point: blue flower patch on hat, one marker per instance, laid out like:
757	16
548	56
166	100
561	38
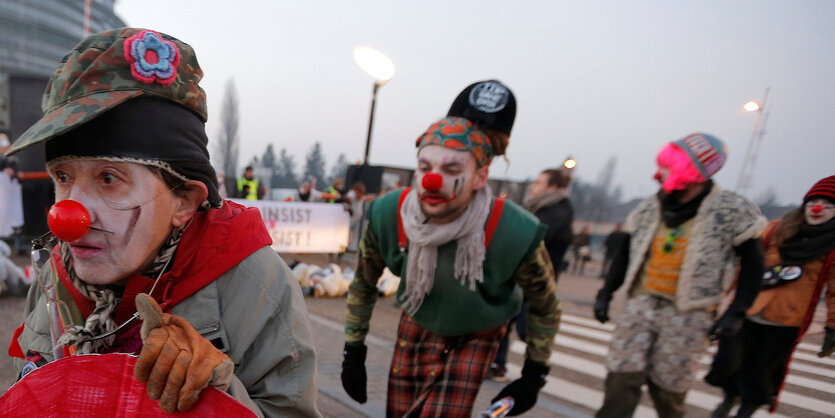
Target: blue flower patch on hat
152	58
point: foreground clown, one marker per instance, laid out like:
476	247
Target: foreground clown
466	260
675	263
126	148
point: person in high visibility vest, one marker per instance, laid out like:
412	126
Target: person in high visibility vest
333	193
253	191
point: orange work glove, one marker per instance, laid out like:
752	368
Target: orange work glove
176	361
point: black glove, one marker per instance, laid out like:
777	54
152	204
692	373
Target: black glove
828	346
728	324
354	378
525	389
601	306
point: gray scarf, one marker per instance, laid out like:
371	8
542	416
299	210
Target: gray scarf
534	203
425	238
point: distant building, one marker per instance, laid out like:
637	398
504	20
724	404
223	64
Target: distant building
34	36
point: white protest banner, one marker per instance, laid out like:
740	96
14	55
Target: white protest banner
301	227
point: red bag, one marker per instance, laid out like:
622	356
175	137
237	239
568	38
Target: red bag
100	385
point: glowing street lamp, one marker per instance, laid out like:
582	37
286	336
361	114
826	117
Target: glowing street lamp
569	163
751	106
377	65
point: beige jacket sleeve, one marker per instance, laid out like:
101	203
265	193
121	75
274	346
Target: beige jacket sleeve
256	314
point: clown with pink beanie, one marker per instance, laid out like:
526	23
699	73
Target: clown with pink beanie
679	257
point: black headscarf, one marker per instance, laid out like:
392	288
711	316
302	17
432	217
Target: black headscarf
145	128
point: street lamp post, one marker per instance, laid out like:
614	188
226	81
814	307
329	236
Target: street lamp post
743	183
568	167
377	65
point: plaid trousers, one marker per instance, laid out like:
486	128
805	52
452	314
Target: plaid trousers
433	375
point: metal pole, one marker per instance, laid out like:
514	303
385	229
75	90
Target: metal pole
742	181
88	10
370	122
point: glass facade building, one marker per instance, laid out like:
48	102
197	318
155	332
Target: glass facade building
36	34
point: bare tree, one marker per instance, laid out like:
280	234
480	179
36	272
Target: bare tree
600	204
314	167
340	168
286	170
228	143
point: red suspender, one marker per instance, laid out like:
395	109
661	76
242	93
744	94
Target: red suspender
493	220
489	229
401	234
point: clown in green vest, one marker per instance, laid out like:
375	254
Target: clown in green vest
466	260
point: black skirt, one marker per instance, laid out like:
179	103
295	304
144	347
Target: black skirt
751	364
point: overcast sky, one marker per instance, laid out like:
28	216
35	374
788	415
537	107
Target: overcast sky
592	79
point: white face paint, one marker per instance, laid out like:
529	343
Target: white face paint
458	169
127	199
827	211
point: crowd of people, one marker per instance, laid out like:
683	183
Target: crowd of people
471	265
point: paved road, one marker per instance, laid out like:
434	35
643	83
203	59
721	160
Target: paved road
574	388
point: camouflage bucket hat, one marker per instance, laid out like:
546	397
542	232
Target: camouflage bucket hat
109	68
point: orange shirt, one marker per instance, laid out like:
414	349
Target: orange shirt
659	274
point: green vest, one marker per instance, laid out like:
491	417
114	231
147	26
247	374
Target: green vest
253	187
450	308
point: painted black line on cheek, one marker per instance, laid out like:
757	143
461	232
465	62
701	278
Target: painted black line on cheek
459	186
132	224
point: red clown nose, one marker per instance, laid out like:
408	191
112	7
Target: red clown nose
68	220
432	182
657	176
817	209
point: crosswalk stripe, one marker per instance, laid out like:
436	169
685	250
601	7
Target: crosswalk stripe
696	398
581	345
579	325
807	402
598	370
810	347
810	383
606	337
800	367
600	350
609	326
814	358
592	398
800	355
585	332
578	394
591	323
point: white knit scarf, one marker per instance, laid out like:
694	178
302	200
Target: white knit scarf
425	238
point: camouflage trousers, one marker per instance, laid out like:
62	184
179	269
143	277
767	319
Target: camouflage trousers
654	337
